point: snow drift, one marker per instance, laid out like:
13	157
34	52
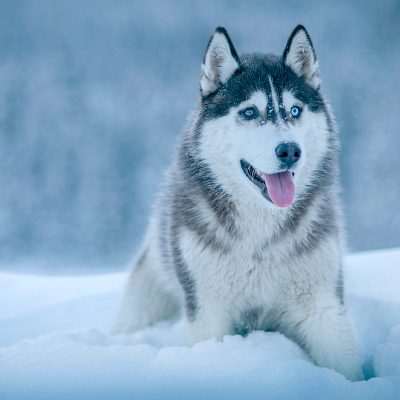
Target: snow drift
54	343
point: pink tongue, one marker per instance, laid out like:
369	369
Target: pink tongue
280	188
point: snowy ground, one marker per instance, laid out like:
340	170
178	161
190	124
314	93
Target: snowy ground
54	344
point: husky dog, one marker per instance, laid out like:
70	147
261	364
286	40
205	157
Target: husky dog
246	233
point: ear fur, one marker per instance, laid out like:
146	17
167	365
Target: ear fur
220	62
300	56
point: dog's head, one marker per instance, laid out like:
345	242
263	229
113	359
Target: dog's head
265	127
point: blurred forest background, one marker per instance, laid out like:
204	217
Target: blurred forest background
94	93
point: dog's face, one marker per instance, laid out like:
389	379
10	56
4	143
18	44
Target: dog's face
264	123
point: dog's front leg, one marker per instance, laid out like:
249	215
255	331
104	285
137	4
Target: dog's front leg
321	326
211	321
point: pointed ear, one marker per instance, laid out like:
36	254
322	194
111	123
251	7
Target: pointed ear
220	62
299	55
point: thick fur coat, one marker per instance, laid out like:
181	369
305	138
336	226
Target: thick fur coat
245	235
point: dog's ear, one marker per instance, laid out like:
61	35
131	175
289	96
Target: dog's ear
299	55
220	62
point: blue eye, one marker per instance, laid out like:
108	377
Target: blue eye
249	113
295	111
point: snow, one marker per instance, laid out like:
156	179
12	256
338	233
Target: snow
54	344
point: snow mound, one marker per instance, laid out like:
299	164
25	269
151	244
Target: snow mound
54	344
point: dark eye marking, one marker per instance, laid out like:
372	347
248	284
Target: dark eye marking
249	113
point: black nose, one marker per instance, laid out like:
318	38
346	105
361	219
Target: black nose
288	153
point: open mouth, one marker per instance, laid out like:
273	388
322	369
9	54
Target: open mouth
278	188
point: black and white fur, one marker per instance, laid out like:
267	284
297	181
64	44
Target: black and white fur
222	250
